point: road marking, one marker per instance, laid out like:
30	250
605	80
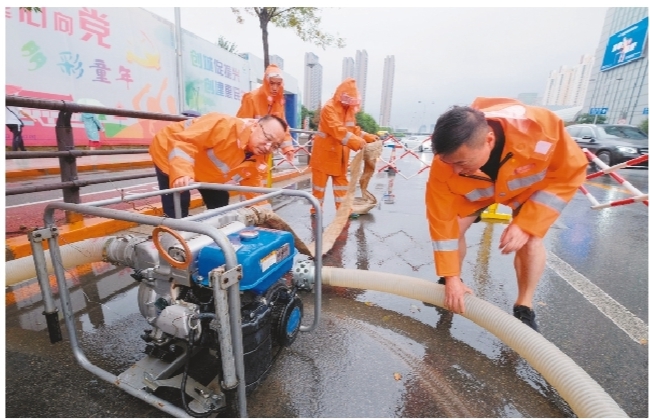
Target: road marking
609	187
635	328
85	194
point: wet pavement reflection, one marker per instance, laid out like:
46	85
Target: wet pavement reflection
373	354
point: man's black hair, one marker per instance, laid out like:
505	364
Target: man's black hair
456	127
285	126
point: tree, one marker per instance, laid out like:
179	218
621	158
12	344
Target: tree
303	20
314	117
227	45
585	118
643	126
367	122
31	9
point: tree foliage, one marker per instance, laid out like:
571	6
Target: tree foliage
31	9
585	118
227	45
643	126
367	122
314	118
304	21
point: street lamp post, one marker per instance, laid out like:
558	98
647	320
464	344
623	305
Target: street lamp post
424	115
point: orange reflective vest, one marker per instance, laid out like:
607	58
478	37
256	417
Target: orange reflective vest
544	169
338	133
259	102
210	148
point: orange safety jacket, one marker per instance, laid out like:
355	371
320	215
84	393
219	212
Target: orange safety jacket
210	148
543	169
338	133
259	102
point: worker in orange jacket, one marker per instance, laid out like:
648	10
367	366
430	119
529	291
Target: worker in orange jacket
338	134
268	99
214	148
499	151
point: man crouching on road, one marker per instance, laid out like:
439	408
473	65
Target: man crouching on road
499	151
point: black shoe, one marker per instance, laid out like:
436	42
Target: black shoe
526	315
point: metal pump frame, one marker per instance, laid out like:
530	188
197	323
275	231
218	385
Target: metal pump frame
233	368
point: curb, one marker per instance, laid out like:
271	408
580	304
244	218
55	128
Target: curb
19	247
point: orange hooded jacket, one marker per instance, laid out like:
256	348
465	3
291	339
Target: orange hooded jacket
210	148
338	133
259	102
543	169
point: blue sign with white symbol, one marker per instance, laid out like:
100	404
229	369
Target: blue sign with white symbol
625	45
598	111
645	111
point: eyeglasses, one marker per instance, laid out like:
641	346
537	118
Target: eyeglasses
270	141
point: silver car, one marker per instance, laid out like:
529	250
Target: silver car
418	142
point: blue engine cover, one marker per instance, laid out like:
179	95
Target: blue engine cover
265	255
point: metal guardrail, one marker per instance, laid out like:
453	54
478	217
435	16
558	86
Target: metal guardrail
70	183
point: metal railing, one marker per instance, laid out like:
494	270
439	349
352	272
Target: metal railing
70	183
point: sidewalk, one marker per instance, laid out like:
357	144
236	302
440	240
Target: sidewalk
19	246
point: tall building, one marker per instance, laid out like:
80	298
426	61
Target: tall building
387	91
578	89
361	75
348	68
277	60
568	86
619	78
313	82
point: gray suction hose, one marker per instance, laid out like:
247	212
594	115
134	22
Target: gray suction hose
586	397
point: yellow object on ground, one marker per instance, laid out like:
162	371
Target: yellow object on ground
491	214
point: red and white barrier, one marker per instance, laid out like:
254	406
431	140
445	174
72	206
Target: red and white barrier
610	170
390	164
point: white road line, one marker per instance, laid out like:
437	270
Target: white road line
635	328
86	194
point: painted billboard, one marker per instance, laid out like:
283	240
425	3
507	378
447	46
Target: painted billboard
214	79
625	45
114	57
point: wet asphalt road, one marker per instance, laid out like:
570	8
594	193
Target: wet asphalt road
378	355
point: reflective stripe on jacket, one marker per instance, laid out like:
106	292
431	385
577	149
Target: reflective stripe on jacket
210	148
544	171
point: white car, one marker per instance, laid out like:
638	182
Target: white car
418	143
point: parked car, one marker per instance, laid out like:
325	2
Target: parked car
418	142
611	143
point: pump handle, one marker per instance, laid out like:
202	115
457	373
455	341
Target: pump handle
173	262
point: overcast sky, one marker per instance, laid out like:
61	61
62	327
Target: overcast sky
443	56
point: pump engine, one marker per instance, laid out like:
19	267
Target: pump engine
178	274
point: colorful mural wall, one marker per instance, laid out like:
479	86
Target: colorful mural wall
114	57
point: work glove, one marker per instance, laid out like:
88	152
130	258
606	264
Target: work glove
355	143
370	138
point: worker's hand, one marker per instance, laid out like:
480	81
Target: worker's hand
182	181
372	138
455	291
513	239
289	155
356	144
